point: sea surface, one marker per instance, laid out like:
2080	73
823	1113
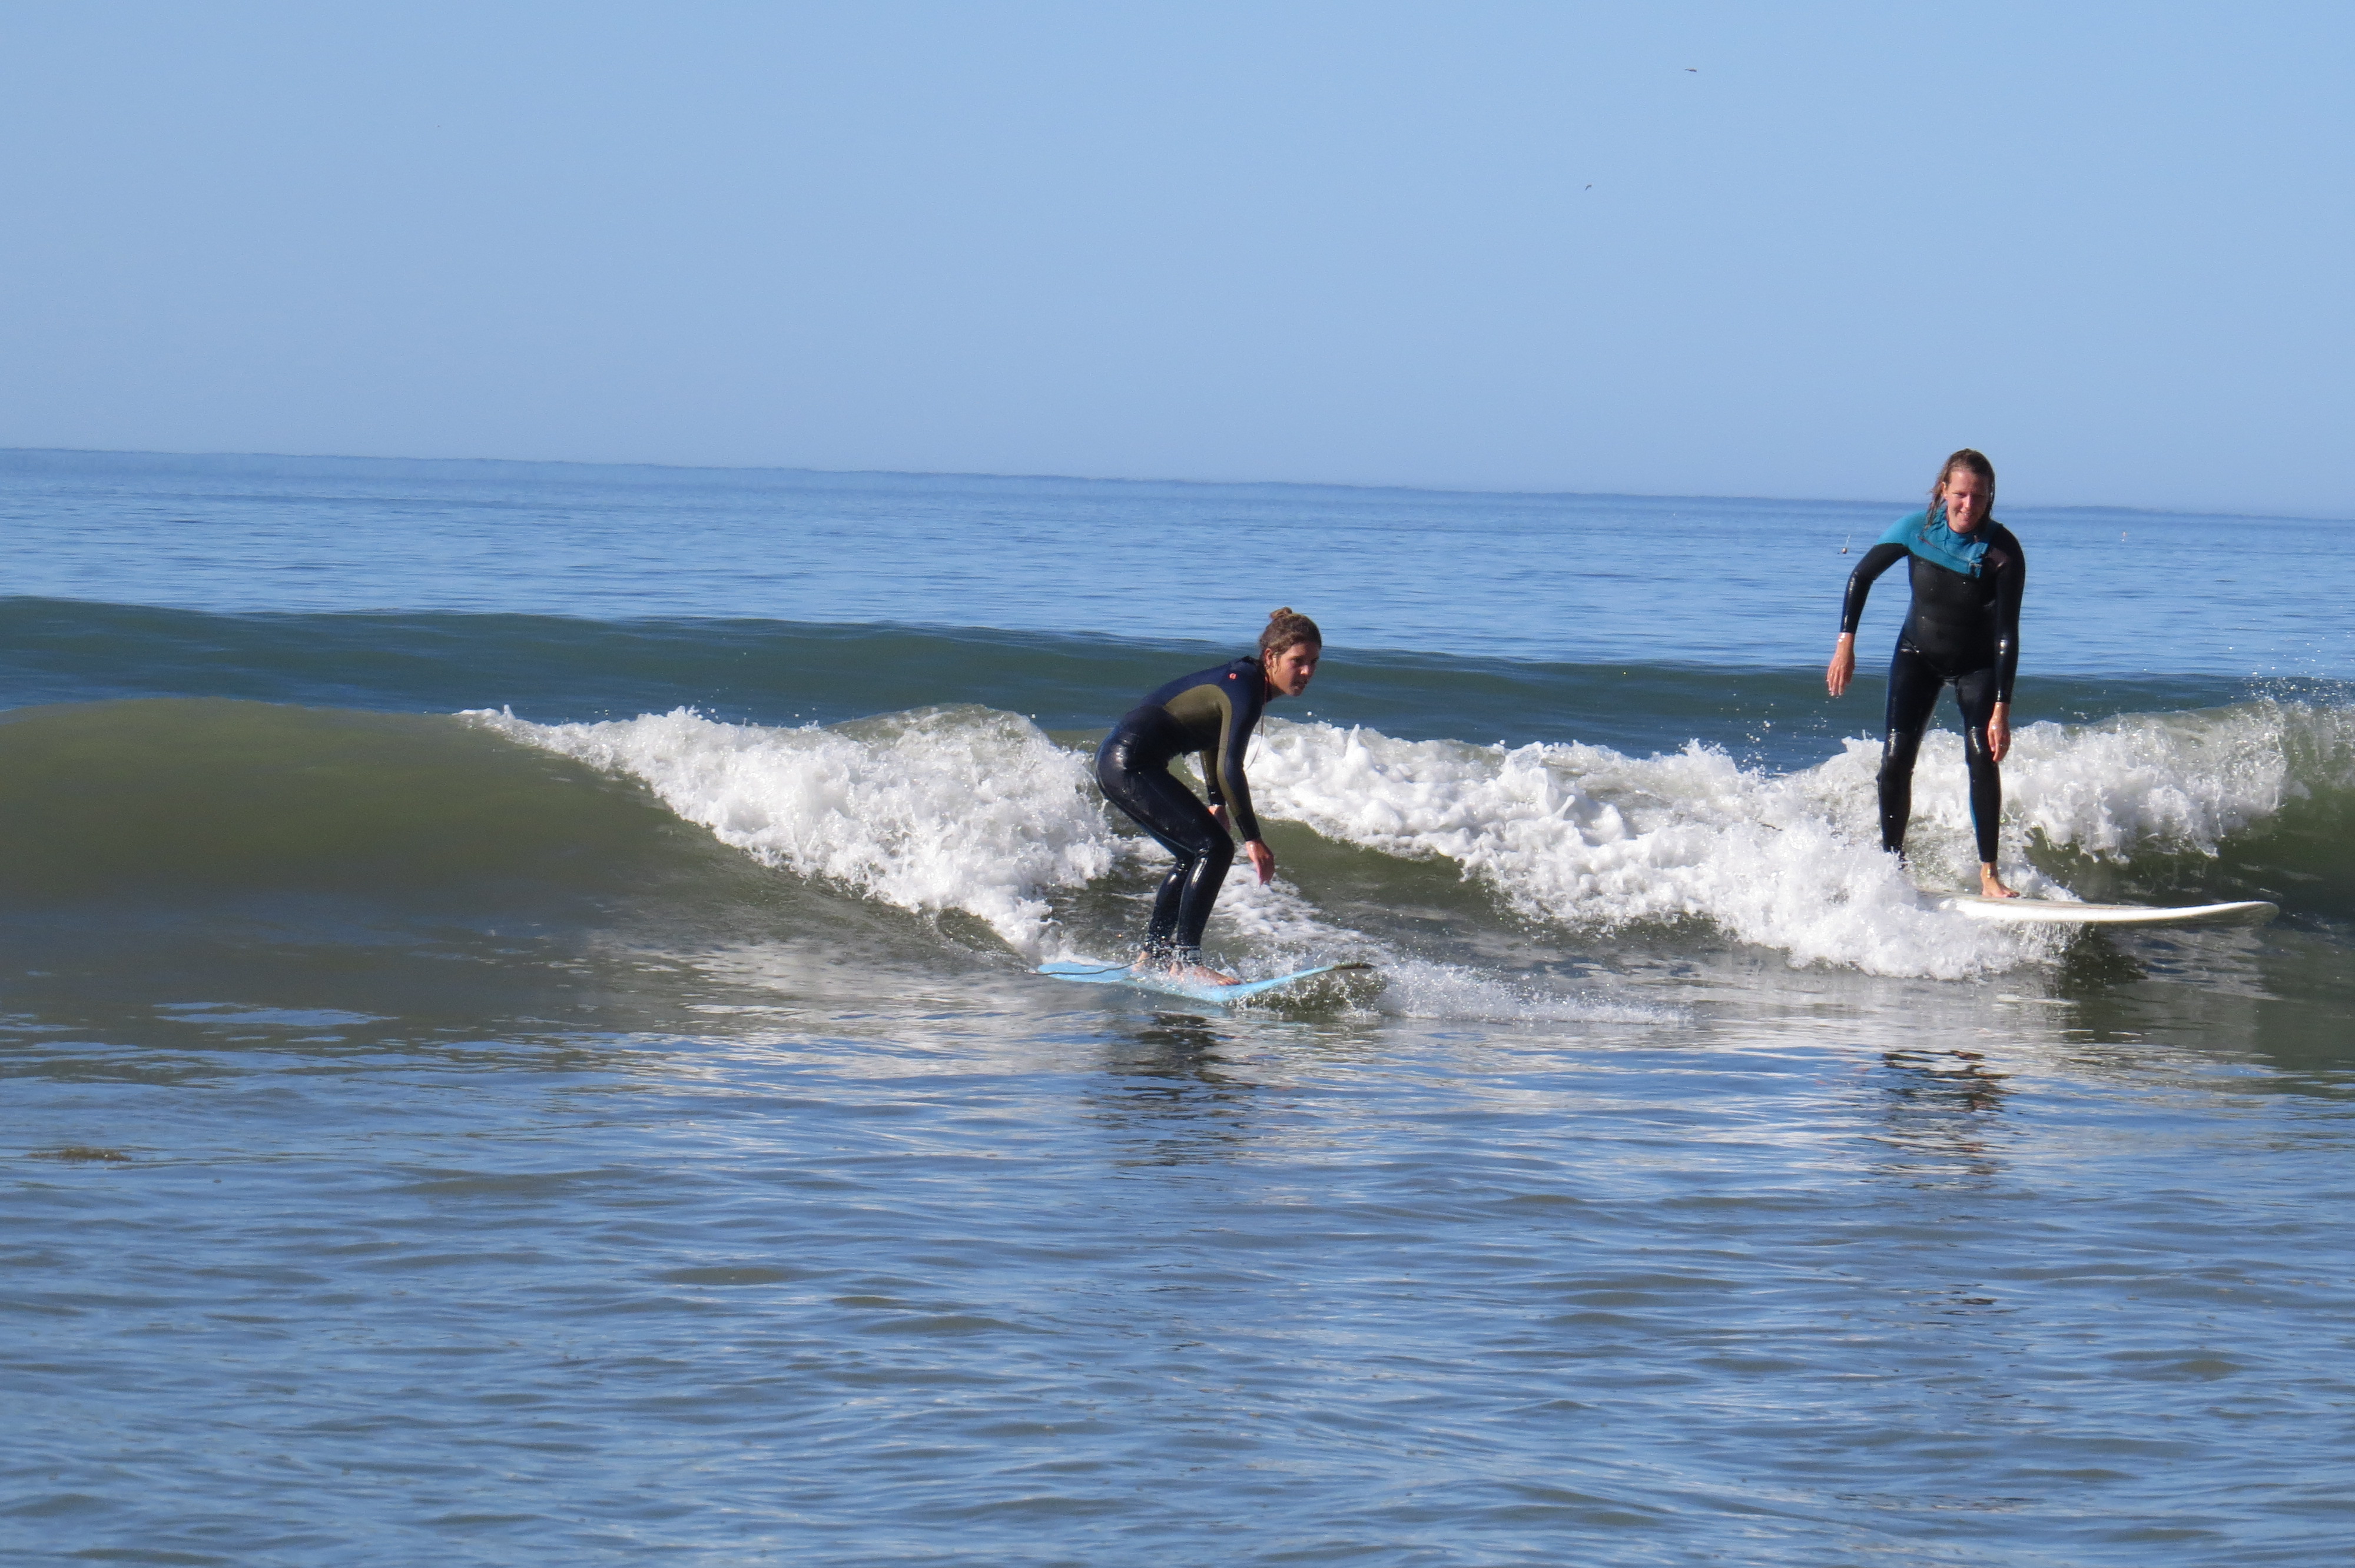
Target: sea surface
519	1043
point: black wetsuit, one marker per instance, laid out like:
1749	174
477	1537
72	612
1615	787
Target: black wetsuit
1963	631
1211	713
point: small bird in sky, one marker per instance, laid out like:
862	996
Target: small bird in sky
1695	70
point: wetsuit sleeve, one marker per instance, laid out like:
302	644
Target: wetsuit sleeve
1877	560
1209	764
1243	708
2010	583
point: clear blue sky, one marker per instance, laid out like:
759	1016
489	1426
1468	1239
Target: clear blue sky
1733	249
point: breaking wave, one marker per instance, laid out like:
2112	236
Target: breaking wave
973	810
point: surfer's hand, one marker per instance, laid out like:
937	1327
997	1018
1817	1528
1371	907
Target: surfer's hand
1999	731
1219	814
1843	665
1263	859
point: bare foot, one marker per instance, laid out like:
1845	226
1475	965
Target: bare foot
1191	972
1201	974
1991	885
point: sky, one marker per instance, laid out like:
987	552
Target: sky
1743	249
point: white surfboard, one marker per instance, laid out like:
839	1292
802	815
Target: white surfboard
2060	912
1167	985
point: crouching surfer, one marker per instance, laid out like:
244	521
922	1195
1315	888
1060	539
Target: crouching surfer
1211	713
1963	631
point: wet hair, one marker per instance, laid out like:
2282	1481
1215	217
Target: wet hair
1286	628
1972	458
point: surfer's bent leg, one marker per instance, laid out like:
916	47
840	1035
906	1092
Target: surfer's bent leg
1913	686
1975	692
1181	824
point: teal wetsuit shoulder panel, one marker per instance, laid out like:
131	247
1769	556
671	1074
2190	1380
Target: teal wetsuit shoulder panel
1928	538
1961	618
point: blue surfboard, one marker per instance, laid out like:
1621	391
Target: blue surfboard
1164	985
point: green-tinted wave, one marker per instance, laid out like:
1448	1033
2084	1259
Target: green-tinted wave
217	797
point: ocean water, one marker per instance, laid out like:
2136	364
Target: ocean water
519	1044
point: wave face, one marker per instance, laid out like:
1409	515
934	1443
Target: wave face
978	814
207	800
980	811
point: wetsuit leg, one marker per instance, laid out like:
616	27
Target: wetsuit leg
1975	692
1181	824
1913	686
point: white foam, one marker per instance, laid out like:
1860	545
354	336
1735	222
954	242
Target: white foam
1417	988
972	810
1284	930
942	808
1587	836
2170	781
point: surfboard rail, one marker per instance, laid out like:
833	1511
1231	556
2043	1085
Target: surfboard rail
2067	912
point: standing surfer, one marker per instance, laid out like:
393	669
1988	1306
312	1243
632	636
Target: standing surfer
1211	713
1963	631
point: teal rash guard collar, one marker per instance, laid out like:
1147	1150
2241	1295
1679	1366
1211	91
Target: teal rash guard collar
1930	539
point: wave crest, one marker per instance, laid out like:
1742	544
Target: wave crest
962	807
974	809
1588	836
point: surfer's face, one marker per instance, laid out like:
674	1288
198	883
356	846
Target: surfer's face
1289	672
1965	500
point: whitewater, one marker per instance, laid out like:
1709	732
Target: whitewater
978	811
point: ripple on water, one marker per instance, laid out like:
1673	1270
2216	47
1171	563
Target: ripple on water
1252	1290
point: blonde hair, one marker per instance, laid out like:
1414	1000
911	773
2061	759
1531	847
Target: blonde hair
1287	628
